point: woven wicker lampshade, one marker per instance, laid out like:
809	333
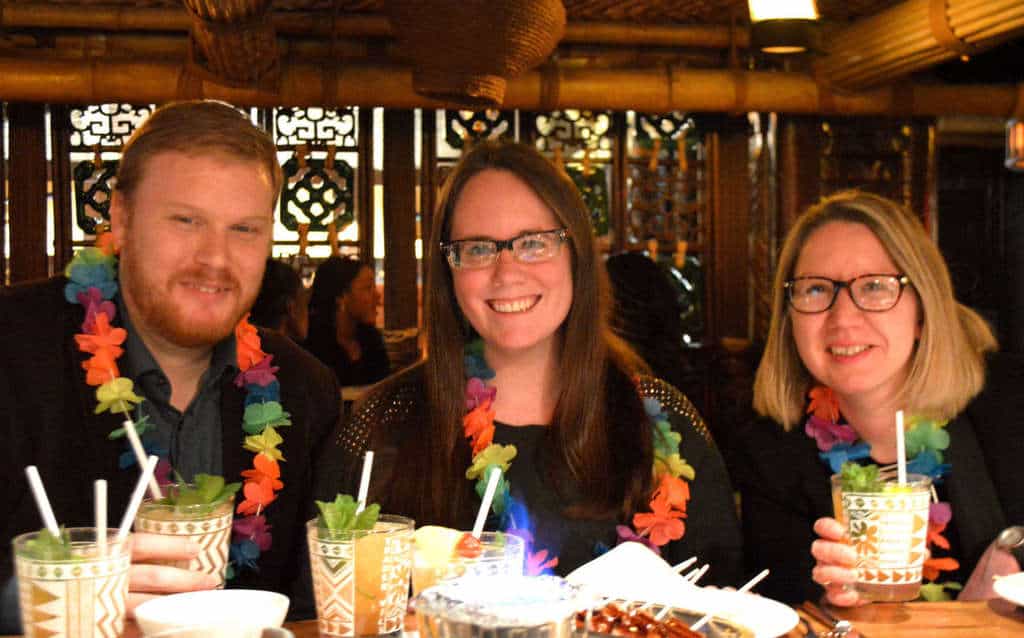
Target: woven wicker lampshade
463	51
232	41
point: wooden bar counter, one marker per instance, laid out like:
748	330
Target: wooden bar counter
880	620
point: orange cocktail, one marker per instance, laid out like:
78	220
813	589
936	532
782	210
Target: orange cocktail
361	577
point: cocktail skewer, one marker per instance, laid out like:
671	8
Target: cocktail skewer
683	565
742	590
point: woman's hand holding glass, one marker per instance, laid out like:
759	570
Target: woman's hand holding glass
836	562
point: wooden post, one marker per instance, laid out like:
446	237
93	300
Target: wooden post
730	229
61	180
365	176
27	204
400	266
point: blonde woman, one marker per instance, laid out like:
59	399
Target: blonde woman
865	322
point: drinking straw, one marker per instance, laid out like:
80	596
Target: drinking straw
485	502
683	565
693	577
42	502
99	491
742	590
364	481
140	456
901	451
136	499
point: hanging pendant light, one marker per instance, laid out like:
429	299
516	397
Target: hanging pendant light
1015	145
782	26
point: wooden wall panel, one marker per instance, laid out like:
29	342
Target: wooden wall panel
27	204
400	268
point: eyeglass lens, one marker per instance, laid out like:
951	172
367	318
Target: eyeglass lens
868	292
526	248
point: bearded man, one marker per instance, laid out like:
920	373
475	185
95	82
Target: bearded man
191	222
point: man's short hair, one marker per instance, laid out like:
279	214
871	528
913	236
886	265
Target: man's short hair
198	127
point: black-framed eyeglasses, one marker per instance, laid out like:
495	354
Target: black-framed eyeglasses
529	248
871	293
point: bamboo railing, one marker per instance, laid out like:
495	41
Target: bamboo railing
364	84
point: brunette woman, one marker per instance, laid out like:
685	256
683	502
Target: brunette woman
523	373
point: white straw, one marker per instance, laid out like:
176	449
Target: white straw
683	565
901	450
140	456
42	502
742	590
99	490
485	503
364	481
693	577
136	499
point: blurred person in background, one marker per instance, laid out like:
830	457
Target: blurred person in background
342	315
283	302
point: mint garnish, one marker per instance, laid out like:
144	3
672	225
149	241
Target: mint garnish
860	478
340	514
46	546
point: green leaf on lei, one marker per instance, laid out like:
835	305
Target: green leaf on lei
666	441
259	416
141	427
493	454
92	256
926	435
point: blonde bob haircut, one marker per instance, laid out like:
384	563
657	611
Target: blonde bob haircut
947	367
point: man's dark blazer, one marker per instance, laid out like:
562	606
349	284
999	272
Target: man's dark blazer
47	418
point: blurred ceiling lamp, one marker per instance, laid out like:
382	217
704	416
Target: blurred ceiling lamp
782	26
1015	145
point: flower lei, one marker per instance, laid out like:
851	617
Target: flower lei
92	282
668	503
925	441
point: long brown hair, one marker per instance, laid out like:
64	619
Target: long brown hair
947	366
594	364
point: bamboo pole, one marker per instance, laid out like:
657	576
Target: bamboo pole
307	23
363	84
915	35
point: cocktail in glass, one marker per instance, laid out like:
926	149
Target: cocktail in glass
888	529
494	554
79	591
206	524
361	577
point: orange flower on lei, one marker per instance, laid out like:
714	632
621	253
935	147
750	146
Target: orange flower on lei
478	426
824	404
106	339
248	344
101	367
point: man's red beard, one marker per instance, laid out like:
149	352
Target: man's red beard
157	311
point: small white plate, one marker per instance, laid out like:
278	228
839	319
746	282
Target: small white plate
1011	588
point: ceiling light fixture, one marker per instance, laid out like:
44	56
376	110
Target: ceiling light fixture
782	26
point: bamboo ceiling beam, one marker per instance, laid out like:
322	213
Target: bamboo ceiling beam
915	35
39	15
96	81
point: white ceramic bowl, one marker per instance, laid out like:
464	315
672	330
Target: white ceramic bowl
222	613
